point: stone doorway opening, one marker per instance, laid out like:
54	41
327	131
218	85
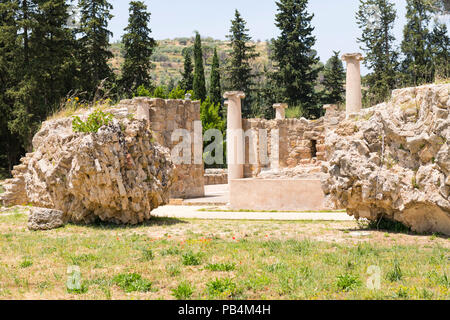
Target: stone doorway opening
313	148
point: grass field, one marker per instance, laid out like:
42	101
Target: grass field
202	259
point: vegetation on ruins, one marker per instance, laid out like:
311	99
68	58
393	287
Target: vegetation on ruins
95	121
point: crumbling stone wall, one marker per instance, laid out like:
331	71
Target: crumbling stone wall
216	176
165	116
301	141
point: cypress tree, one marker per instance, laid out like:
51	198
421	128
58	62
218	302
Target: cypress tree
334	79
215	91
199	84
240	75
417	64
139	47
187	81
94	50
296	62
376	20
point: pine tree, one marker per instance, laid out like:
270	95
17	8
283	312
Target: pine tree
296	61
187	81
440	46
94	50
417	65
47	64
199	84
334	79
139	47
215	91
10	144
240	75
376	20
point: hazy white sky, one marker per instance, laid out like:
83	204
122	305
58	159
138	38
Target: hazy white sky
334	20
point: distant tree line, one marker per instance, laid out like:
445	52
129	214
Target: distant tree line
56	53
424	53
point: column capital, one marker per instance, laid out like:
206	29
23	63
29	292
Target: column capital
234	94
280	106
352	56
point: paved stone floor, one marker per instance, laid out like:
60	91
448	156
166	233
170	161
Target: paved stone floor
214	195
216	200
192	212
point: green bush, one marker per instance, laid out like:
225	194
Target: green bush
142	91
221	266
177	93
95	121
294	112
184	291
221	288
132	282
191	259
147	254
26	263
160	92
396	273
83	289
347	282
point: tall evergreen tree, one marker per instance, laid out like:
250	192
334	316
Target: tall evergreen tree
295	59
215	91
48	67
199	84
334	79
417	63
240	75
187	80
440	47
139	47
94	50
376	20
10	144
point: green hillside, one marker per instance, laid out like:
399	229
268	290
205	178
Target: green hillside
168	57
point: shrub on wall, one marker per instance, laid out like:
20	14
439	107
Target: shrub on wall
95	121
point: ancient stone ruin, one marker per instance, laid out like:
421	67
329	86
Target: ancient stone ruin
393	160
390	161
119	174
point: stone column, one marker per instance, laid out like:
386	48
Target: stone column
353	83
280	110
235	135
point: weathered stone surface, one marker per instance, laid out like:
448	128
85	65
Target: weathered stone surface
118	174
45	219
395	163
